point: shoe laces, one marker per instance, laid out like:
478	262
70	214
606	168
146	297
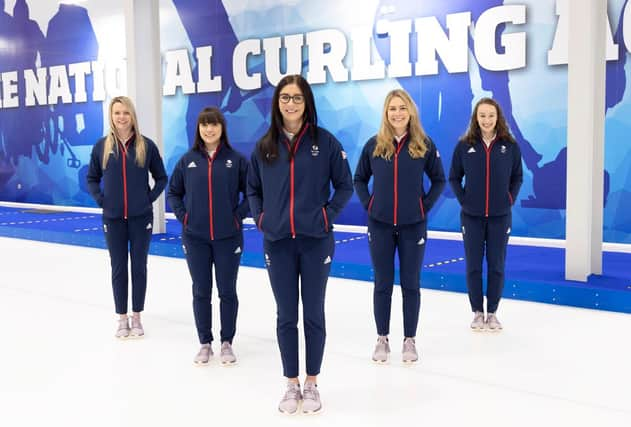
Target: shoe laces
409	345
226	349
479	316
123	324
310	391
292	393
382	344
135	323
205	350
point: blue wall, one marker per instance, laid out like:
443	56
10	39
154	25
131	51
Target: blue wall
45	147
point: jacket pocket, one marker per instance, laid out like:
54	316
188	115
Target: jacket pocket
326	219
420	203
236	222
259	223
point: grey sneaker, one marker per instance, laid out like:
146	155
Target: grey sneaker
409	353
136	328
122	331
227	355
311	403
289	404
203	356
382	350
492	324
478	321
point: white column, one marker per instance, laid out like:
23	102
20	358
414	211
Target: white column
585	138
142	26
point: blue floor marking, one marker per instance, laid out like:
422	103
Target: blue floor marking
532	273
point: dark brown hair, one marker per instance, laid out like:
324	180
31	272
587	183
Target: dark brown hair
474	134
268	145
213	116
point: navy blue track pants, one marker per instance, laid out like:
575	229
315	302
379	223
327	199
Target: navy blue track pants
490	235
225	255
409	240
129	236
308	261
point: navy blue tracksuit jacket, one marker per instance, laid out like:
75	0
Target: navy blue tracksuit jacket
122	189
204	193
290	198
493	177
398	195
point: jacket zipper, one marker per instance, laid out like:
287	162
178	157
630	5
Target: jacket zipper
396	179
487	151
124	149
292	221
211	159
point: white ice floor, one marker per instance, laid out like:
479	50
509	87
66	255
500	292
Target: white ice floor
61	365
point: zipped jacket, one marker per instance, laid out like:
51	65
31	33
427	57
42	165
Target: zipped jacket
492	175
122	188
398	194
292	196
207	193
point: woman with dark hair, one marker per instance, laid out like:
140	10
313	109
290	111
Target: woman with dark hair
397	158
489	160
207	195
289	186
118	179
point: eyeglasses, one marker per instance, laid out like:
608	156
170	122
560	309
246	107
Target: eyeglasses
298	99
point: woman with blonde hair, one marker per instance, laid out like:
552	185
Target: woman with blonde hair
118	179
396	159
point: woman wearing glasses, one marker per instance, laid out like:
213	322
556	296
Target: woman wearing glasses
291	172
396	159
118	179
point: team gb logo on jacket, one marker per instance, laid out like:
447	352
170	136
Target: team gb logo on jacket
315	150
228	163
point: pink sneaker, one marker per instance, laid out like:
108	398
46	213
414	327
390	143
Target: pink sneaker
203	356
291	399
227	355
136	328
311	403
478	322
492	324
122	332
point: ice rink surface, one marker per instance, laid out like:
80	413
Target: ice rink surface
61	365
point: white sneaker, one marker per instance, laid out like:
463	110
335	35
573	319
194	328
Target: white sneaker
492	324
478	322
291	399
203	356
382	350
